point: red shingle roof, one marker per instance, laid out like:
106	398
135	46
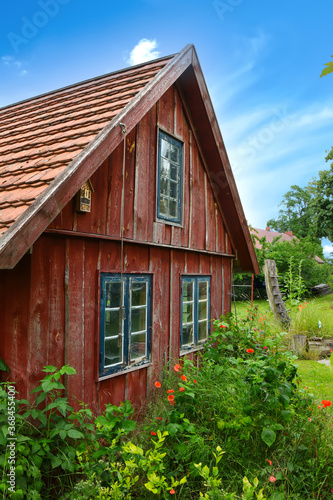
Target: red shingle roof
39	137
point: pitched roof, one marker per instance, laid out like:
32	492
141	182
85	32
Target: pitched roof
51	144
39	137
270	235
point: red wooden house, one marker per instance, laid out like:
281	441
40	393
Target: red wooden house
120	224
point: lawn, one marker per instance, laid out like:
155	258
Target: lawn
317	378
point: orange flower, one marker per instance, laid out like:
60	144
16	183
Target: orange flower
269	461
250	351
222	326
170	391
177	367
181	389
172	492
171	397
157	384
153	433
326	403
183	378
272	479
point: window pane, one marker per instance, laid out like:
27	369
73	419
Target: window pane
203	330
164	209
203	290
165	148
187	291
139	294
113	352
173	190
174	153
173	207
111	323
138	319
187	334
188	312
174	172
165	168
164	186
138	346
113	294
203	310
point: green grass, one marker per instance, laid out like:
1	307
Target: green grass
318	378
315	319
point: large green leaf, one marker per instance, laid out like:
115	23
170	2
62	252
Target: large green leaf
328	69
268	436
3	366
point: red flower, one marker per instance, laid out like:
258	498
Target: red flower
250	351
171	398
194	381
183	378
272	479
170	390
222	326
159	418
181	389
269	461
326	403
157	384
153	433
172	492
177	367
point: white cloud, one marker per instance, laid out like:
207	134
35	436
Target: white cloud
14	63
328	249
143	51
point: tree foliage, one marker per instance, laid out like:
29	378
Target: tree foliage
321	206
294	214
328	69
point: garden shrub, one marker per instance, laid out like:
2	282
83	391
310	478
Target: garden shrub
237	428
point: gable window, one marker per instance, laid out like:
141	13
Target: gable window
169	193
195	310
125	329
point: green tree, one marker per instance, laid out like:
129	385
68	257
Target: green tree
295	213
321	204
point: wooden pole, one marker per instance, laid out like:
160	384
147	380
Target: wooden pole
252	290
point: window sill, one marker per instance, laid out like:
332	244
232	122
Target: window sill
124	371
169	222
191	349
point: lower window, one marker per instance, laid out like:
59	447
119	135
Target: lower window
125	329
195	312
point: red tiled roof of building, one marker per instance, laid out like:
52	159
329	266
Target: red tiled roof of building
39	137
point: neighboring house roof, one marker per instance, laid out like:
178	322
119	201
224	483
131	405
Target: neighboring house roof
270	235
51	144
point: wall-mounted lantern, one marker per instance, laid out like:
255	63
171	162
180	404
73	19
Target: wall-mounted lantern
83	197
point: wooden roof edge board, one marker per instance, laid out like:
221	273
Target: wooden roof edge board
83	82
21	235
218	139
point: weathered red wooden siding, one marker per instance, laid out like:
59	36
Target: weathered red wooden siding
52	296
14	307
202	228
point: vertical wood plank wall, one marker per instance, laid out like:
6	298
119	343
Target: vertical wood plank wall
51	306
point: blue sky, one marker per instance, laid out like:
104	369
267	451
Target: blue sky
261	60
